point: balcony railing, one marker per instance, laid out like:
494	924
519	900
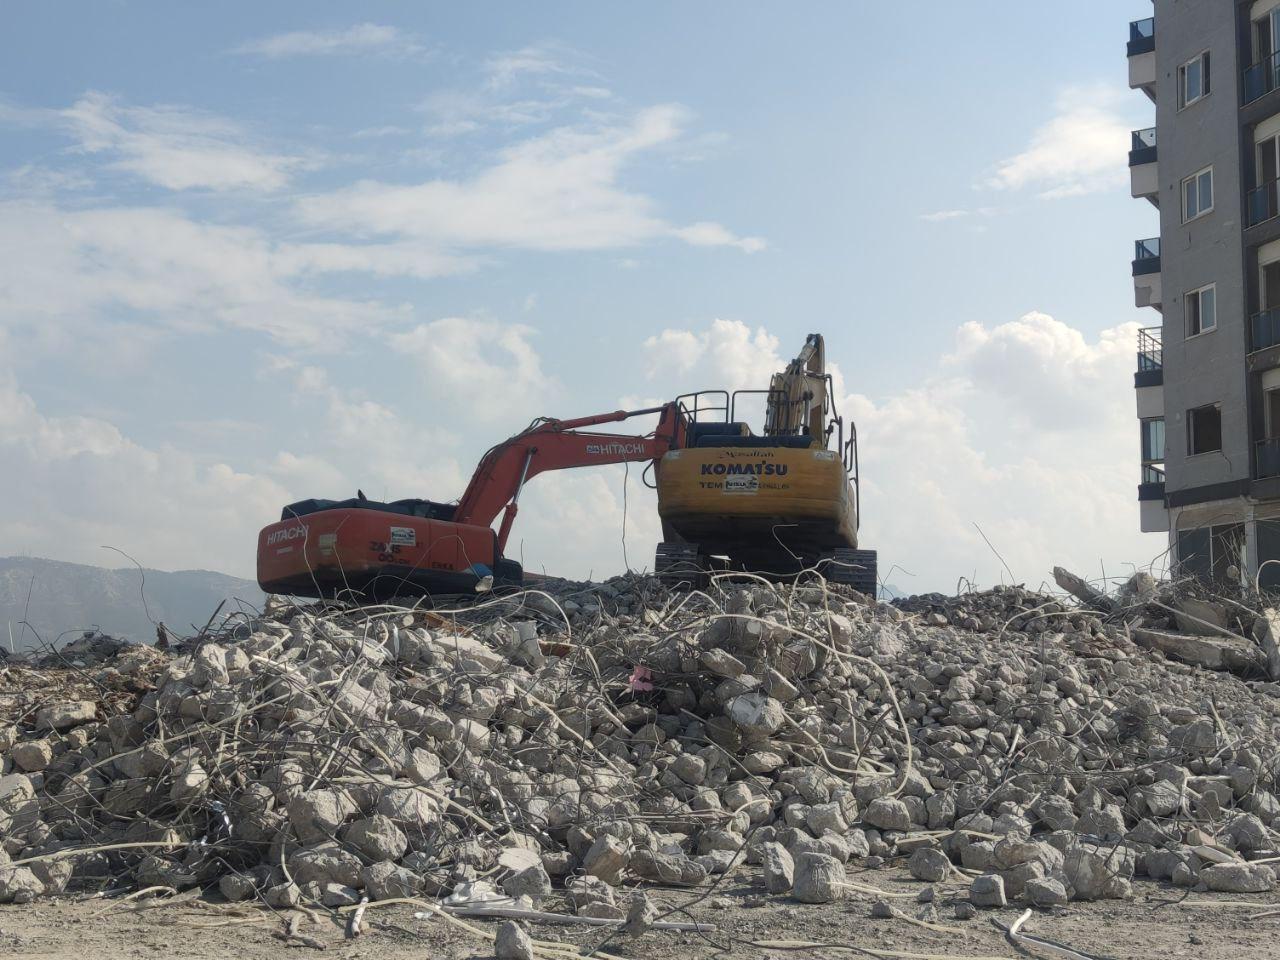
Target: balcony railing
1150	349
1268	458
1261	78
1146	256
1144	147
1142	36
1264	329
1150	371
1262	203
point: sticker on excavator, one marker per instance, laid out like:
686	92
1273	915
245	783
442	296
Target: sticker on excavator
404	536
747	484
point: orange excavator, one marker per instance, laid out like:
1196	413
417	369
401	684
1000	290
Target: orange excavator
368	549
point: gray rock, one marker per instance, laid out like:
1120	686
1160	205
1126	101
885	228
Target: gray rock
377	838
987	891
64	716
532	882
777	866
335	895
929	864
818	879
887	814
1045	892
667	868
606	859
19	885
512	943
383	881
32	756
325	863
1238	878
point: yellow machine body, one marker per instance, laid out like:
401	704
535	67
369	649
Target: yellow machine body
748	502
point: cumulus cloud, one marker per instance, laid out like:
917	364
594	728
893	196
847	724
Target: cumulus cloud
64	270
726	355
1081	149
77	483
175	147
480	359
361	38
558	191
531	61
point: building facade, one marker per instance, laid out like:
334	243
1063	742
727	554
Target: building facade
1208	373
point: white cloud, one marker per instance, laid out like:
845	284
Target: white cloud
77	483
727	355
506	68
175	147
714	235
558	191
941	215
361	38
494	363
1082	149
65	271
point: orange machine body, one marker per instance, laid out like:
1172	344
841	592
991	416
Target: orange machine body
373	550
374	553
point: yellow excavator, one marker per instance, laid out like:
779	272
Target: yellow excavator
776	503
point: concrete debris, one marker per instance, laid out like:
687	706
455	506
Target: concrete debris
321	754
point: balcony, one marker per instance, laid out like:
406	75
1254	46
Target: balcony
1142	56
1146	273
1261	203
1144	174
1152	485
1268	453
1264	329
1261	78
1150	371
1153	515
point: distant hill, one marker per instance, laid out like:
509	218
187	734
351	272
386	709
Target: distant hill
66	598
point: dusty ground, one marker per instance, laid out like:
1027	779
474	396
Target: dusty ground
1206	926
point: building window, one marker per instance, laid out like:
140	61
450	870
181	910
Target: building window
1202	310
1265	31
1193	80
1197	194
1153	440
1211	553
1204	429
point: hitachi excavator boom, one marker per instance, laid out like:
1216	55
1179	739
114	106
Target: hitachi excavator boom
373	550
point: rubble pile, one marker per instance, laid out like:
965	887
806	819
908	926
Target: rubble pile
562	745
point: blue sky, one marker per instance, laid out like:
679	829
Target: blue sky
251	253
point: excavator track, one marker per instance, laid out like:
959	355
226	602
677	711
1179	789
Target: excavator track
680	565
857	568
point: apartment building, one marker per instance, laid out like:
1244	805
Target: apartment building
1208	371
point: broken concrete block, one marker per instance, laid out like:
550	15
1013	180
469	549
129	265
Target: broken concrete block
1238	878
987	891
512	943
929	864
63	716
777	867
818	879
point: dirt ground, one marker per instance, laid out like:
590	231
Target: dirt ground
1152	925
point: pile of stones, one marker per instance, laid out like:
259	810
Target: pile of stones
568	742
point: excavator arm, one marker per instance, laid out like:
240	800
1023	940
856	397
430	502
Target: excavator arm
558	445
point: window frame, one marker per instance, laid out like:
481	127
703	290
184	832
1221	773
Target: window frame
1206	84
1198	293
1145	424
1195	178
1191	433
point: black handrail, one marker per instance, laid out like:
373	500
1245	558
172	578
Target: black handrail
1142	36
1148	249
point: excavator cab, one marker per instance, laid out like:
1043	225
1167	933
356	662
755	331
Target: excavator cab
778	502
